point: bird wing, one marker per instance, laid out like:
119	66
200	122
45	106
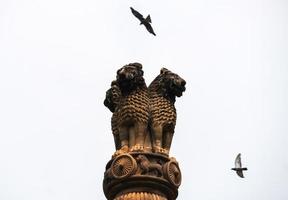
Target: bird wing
149	28
240	173
238	161
148	19
137	14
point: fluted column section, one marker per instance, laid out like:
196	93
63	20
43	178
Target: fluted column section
140	196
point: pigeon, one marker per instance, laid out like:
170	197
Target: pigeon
238	166
146	22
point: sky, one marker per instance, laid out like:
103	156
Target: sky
58	57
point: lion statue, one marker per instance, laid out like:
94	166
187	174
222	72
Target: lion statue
111	101
162	94
133	109
148	166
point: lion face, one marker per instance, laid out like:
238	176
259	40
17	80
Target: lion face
129	76
112	97
129	72
172	82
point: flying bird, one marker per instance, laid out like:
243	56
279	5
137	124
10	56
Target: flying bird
238	166
146	22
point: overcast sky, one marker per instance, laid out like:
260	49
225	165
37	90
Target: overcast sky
58	57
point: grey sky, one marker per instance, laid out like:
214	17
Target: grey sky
58	57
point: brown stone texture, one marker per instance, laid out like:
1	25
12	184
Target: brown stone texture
162	95
142	123
137	172
140	196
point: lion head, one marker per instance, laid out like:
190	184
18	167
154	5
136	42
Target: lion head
172	84
130	77
112	96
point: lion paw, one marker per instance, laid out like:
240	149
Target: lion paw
137	147
124	149
161	150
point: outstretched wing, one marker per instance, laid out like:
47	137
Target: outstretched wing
238	161
149	28
240	173
137	14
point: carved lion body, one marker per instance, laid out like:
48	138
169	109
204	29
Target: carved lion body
133	109
162	92
134	105
148	166
112	101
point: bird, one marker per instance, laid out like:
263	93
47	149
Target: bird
146	22
238	166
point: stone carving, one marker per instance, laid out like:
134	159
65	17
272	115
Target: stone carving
123	166
133	109
128	100
134	105
172	172
140	196
162	92
148	166
112	97
142	123
142	172
112	101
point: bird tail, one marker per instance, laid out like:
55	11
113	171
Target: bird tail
148	19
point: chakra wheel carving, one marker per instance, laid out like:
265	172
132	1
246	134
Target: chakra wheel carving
123	166
172	173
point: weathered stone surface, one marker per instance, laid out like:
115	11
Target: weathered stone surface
142	172
140	196
143	118
142	123
162	92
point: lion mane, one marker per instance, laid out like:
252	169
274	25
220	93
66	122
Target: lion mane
162	95
133	108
